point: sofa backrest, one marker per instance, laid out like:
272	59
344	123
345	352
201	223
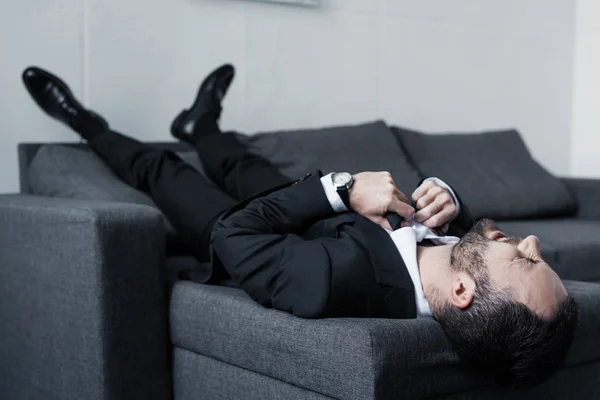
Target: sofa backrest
355	148
494	173
27	151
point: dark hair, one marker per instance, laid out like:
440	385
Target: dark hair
507	341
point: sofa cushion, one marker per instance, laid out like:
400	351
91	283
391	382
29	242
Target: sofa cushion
493	173
571	246
354	148
343	358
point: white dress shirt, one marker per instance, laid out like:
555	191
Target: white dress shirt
405	239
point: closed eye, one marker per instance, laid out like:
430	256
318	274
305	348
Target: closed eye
527	260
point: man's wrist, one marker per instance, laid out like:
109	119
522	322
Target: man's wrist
342	182
332	195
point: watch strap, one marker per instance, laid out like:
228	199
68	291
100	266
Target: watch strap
345	196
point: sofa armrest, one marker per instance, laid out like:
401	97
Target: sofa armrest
82	300
587	192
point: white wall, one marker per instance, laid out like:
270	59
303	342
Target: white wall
431	64
585	139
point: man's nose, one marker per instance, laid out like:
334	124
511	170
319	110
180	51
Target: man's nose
530	245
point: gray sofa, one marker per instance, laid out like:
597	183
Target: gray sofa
91	306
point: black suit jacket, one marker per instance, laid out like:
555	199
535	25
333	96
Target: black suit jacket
289	250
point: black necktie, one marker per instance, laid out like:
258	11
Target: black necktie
394	219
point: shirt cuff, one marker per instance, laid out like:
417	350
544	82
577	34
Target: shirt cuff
443	184
332	195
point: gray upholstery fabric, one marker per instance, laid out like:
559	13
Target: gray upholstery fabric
356	148
571	246
200	377
587	192
195	373
341	358
492	172
61	171
578	382
28	151
82	300
78	173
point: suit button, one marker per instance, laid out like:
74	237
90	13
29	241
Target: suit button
302	179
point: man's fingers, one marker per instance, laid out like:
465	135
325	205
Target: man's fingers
439	219
425	200
401	208
426	213
421	190
401	195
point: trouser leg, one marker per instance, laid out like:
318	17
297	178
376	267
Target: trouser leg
229	164
189	201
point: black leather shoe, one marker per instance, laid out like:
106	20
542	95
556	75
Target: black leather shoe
56	99
207	103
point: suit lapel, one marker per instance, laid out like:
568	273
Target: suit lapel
389	269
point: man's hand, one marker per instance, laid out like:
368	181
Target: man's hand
435	204
374	194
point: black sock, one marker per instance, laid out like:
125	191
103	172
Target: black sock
89	126
207	124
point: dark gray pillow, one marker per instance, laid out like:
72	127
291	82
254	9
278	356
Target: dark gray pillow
70	172
356	148
492	172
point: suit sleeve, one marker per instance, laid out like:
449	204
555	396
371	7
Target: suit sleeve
260	247
461	224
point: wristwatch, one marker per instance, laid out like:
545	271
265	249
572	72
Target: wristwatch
342	181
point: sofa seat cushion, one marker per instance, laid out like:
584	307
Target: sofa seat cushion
493	173
340	357
571	246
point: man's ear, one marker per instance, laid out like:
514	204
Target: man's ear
463	290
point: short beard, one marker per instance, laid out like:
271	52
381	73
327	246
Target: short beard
468	255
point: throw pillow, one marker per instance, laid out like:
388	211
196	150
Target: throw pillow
492	172
355	148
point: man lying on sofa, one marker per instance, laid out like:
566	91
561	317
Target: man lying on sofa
341	245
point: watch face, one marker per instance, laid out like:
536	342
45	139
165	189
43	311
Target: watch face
341	179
